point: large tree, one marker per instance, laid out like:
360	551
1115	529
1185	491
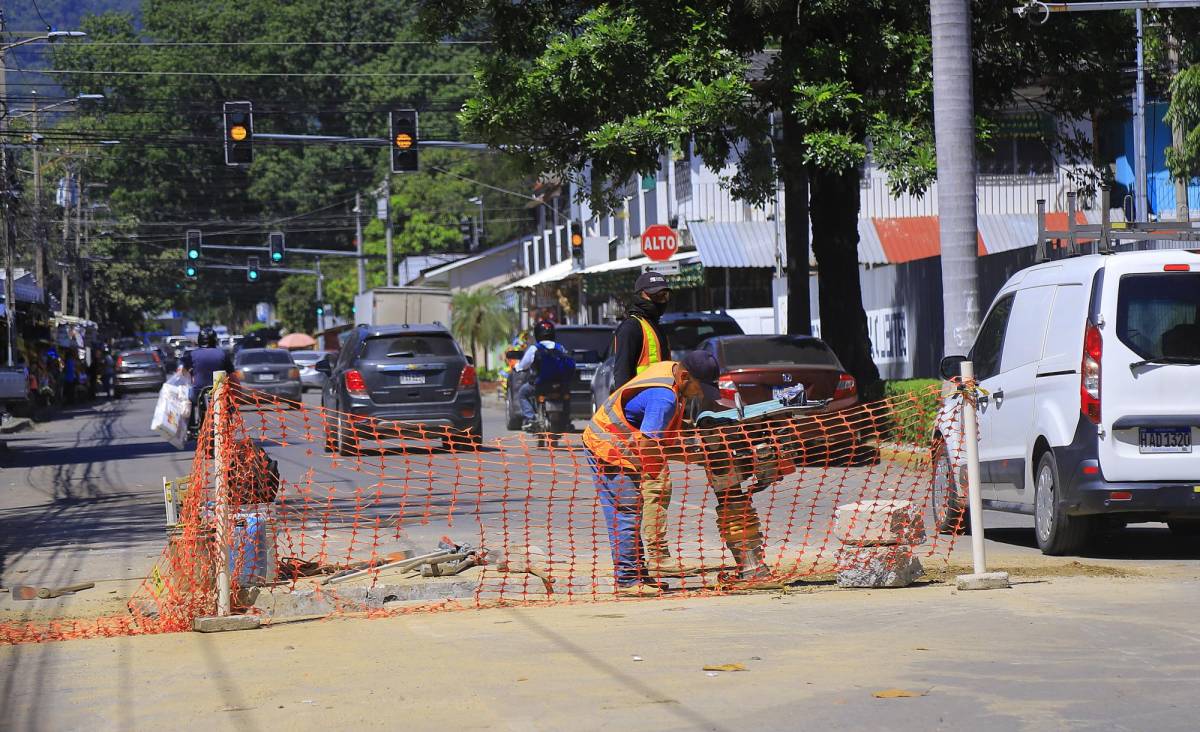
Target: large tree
606	87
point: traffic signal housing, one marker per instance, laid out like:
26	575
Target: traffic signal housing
239	133
402	139
275	244
192	246
577	242
466	226
252	269
190	270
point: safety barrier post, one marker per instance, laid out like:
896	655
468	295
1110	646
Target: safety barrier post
981	579
221	490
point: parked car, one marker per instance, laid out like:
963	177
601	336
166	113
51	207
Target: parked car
588	345
1090	411
310	377
140	370
684	332
268	370
409	377
167	358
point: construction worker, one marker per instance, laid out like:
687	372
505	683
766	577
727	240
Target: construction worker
737	519
638	343
630	439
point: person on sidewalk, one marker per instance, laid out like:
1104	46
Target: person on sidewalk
630	439
639	342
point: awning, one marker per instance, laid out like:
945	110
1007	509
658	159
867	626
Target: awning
898	240
738	244
632	262
553	273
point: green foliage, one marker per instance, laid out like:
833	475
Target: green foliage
480	319
921	395
296	303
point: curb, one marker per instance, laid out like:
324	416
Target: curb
16	424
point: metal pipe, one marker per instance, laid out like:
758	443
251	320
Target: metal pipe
1141	203
220	487
971	443
358	244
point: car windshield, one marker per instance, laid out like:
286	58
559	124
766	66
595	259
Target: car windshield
585	340
409	346
306	356
685	335
1158	315
775	351
269	356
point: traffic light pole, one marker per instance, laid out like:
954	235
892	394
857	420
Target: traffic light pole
387	195
320	296
358	244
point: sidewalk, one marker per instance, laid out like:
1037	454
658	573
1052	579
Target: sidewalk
1052	652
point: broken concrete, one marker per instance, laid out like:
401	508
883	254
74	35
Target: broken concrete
224	623
879	523
311	599
877	566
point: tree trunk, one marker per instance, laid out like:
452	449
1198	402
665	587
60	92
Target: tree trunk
954	132
834	212
795	181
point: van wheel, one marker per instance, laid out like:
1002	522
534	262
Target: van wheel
948	503
1057	533
1189	528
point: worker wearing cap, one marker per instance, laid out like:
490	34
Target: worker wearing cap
630	439
638	343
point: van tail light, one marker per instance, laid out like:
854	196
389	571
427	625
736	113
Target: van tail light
1177	268
727	388
355	385
1089	374
468	378
846	387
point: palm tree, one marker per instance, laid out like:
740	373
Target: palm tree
482	319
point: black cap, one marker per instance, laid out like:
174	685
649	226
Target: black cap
703	367
651	282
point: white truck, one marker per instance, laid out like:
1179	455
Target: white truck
398	305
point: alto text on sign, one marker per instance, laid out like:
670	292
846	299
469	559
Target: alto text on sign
660	242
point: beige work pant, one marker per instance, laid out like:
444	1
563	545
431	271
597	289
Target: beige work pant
656	498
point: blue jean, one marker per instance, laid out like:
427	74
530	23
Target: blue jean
525	397
621	500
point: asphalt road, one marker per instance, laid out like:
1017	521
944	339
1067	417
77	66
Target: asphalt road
81	497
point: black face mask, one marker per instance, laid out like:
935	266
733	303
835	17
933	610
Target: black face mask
649	308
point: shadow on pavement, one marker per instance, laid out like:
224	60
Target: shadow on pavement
1143	542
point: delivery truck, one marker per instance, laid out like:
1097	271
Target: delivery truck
397	305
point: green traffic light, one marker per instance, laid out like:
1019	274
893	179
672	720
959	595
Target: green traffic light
276	256
193	254
253	275
191	271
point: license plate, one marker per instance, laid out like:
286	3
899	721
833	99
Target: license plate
779	392
266	377
586	375
412	379
1164	439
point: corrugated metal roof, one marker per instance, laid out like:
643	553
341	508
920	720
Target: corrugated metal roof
870	249
911	238
735	244
553	273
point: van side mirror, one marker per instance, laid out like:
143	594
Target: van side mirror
471	360
951	367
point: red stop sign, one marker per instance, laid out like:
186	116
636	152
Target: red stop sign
660	242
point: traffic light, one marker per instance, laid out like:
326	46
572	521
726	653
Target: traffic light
576	242
402	136
252	269
193	245
320	311
466	226
239	133
275	245
190	270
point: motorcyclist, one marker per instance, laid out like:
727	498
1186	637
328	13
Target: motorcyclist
202	362
543	334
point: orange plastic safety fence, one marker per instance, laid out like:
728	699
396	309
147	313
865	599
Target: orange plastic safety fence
328	512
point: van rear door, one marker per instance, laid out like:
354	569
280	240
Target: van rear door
1150	368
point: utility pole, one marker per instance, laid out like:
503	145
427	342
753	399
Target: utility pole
77	272
387	196
954	133
1177	135
9	227
1141	203
321	296
358	244
41	248
65	274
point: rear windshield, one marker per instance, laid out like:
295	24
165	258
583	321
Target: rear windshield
409	346
138	357
306	356
686	335
1158	315
580	341
277	357
776	351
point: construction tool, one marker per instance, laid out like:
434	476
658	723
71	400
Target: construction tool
403	564
29	592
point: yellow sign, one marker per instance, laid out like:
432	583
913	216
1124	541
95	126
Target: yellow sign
238	132
404	140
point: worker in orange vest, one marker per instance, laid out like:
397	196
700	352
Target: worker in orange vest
631	438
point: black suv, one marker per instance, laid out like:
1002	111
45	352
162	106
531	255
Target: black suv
588	345
407	376
684	332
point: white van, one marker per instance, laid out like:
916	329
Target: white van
1090	368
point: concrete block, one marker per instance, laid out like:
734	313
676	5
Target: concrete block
222	623
985	581
879	523
306	600
877	566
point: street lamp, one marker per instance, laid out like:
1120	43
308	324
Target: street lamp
478	201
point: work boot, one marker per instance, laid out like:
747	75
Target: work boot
664	565
642	588
752	573
527	426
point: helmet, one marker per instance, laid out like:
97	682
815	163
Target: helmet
544	330
207	338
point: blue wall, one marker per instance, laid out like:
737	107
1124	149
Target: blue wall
1160	189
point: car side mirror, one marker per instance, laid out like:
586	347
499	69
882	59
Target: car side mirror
324	366
951	367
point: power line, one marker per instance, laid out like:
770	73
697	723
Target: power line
189	44
304	74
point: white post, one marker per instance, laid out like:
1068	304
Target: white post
981	579
221	489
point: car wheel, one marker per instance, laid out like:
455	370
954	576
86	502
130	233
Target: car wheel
1057	533
946	496
1189	528
514	421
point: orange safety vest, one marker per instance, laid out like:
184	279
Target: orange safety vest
610	436
652	347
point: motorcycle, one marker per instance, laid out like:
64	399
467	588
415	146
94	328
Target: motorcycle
552	413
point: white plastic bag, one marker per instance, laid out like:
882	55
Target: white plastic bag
171	414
